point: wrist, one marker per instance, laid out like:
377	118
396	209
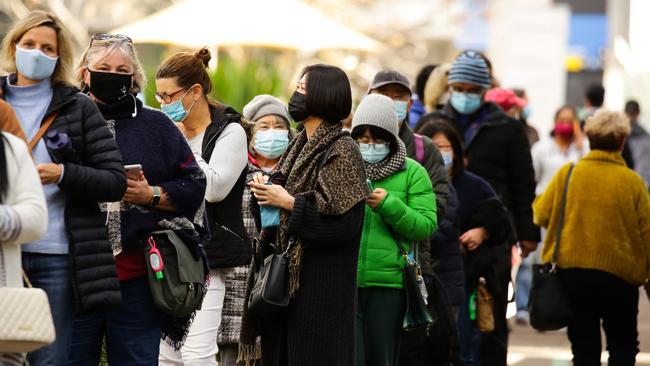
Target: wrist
155	196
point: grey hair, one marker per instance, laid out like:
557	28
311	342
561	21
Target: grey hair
108	46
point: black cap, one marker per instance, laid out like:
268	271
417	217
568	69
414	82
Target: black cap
385	77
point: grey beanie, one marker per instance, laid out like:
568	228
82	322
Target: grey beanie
264	105
470	68
377	110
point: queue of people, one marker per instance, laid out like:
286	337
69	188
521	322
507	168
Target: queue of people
303	239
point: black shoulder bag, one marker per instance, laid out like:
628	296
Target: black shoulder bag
549	306
417	315
270	290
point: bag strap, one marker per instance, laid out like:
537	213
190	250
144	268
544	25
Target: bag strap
419	148
560	225
41	131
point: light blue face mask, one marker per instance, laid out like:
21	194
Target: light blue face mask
401	110
175	110
374	153
466	103
525	114
447	158
34	64
271	143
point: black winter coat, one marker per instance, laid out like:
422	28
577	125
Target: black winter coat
445	252
499	153
97	176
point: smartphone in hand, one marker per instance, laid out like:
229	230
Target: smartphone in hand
133	171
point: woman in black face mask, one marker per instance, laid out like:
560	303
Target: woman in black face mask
165	193
320	188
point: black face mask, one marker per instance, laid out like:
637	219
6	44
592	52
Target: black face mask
298	107
109	87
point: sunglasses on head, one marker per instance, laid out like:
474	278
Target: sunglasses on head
107	36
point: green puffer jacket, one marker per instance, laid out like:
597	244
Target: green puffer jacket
410	209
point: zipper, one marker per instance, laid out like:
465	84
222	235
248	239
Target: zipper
225	228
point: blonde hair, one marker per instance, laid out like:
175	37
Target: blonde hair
435	87
108	46
607	130
38	18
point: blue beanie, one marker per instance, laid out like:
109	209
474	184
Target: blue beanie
470	68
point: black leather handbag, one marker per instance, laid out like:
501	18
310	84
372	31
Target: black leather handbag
549	307
270	291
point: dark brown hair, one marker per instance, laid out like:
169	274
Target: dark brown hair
188	68
433	124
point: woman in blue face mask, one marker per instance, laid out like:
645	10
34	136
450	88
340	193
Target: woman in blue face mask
85	169
401	210
215	134
271	136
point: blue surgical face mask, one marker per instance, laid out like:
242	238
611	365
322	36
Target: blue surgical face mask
374	153
271	143
466	103
526	112
447	158
401	110
175	110
34	64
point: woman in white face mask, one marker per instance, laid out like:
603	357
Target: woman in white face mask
79	165
271	136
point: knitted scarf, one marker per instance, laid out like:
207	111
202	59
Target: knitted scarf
334	189
389	166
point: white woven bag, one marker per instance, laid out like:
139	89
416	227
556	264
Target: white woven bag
25	319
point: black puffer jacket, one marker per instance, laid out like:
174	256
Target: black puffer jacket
229	245
500	154
97	176
445	252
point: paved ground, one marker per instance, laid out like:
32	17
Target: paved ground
531	348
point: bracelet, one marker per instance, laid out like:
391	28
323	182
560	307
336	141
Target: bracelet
155	198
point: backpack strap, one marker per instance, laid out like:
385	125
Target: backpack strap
419	148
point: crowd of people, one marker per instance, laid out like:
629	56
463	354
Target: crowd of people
446	176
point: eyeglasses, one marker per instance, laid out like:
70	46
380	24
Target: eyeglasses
166	98
107	36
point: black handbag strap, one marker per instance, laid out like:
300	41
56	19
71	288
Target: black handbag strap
560	224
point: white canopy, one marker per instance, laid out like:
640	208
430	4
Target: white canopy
267	23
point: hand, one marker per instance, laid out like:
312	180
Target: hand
376	197
527	247
260	178
272	195
578	136
473	238
138	192
50	173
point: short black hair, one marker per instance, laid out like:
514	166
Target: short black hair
435	123
632	108
329	95
421	80
595	95
376	133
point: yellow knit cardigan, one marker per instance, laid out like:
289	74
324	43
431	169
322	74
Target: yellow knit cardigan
607	218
